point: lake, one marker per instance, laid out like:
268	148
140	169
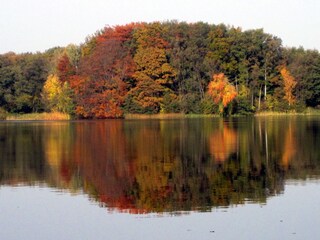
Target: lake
192	178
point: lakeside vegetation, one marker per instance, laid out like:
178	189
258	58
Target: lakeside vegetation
38	116
56	116
168	116
162	68
307	112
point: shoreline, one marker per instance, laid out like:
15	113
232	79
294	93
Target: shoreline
56	116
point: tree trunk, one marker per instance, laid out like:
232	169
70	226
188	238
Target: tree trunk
259	103
237	86
265	83
252	102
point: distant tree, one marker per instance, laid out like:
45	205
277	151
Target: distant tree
21	81
189	46
9	74
74	54
304	66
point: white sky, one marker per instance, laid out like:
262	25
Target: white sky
36	25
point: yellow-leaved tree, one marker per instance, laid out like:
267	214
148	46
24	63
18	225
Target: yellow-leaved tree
289	85
221	91
57	96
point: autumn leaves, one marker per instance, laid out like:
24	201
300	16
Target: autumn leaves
221	91
166	68
154	75
289	85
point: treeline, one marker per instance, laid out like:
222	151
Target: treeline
165	67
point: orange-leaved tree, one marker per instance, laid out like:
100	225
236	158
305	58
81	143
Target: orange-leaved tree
154	75
221	91
289	85
104	75
65	68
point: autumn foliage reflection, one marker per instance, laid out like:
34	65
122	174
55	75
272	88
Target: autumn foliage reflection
106	170
290	147
162	165
223	142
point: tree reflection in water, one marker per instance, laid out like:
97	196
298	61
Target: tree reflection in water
163	165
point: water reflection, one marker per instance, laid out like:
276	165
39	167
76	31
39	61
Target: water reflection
223	142
163	165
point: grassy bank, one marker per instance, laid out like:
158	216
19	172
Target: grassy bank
38	117
154	116
308	111
168	116
62	116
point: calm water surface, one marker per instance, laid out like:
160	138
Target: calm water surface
243	178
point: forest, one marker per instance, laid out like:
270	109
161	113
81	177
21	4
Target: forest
162	67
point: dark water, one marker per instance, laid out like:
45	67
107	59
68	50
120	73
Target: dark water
243	178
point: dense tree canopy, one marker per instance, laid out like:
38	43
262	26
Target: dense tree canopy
164	67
